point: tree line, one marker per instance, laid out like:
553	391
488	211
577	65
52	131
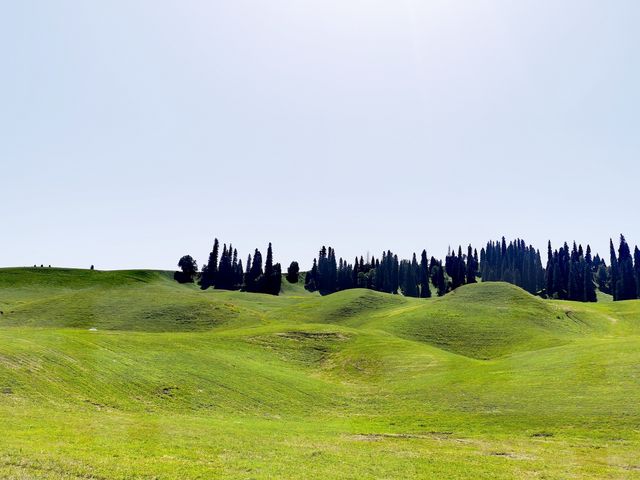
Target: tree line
570	273
623	276
224	270
385	274
389	274
516	263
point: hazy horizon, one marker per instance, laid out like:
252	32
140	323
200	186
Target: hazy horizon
135	132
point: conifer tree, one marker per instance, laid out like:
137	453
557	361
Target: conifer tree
576	284
239	276
311	279
268	264
332	280
276	282
272	277
603	279
613	271
208	277
425	289
589	287
456	268
472	266
626	288
636	268
395	275
549	270
253	280
248	268
224	278
438	278
408	277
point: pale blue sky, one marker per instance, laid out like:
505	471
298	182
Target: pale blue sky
132	132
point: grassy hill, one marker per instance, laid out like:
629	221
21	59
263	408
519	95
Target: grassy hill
120	375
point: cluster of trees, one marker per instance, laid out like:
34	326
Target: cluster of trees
384	274
570	273
514	263
462	269
225	271
573	274
623	278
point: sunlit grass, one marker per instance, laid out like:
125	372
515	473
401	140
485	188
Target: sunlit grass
125	375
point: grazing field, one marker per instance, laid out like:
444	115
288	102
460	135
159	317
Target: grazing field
129	375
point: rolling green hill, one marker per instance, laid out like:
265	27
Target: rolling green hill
121	375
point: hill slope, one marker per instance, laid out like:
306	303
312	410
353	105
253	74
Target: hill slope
131	375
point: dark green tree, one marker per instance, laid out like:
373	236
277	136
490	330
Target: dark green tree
210	270
293	272
437	277
425	289
626	288
408	272
613	271
188	267
603	279
311	279
636	268
272	278
472	265
589	287
253	279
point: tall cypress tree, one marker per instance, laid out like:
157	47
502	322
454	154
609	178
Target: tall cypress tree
472	266
626	288
239	282
268	264
589	287
636	267
236	271
437	277
549	271
395	274
603	279
311	279
224	278
425	289
210	271
332	271
576	284
276	281
272	277
614	271
253	280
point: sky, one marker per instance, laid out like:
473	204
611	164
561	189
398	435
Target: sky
133	132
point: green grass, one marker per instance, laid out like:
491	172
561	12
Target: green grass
128	375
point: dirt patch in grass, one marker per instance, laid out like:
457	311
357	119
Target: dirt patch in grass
510	455
312	335
375	437
166	391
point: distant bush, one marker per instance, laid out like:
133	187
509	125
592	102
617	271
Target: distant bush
293	272
189	269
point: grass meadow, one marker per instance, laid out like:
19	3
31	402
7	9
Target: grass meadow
129	375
